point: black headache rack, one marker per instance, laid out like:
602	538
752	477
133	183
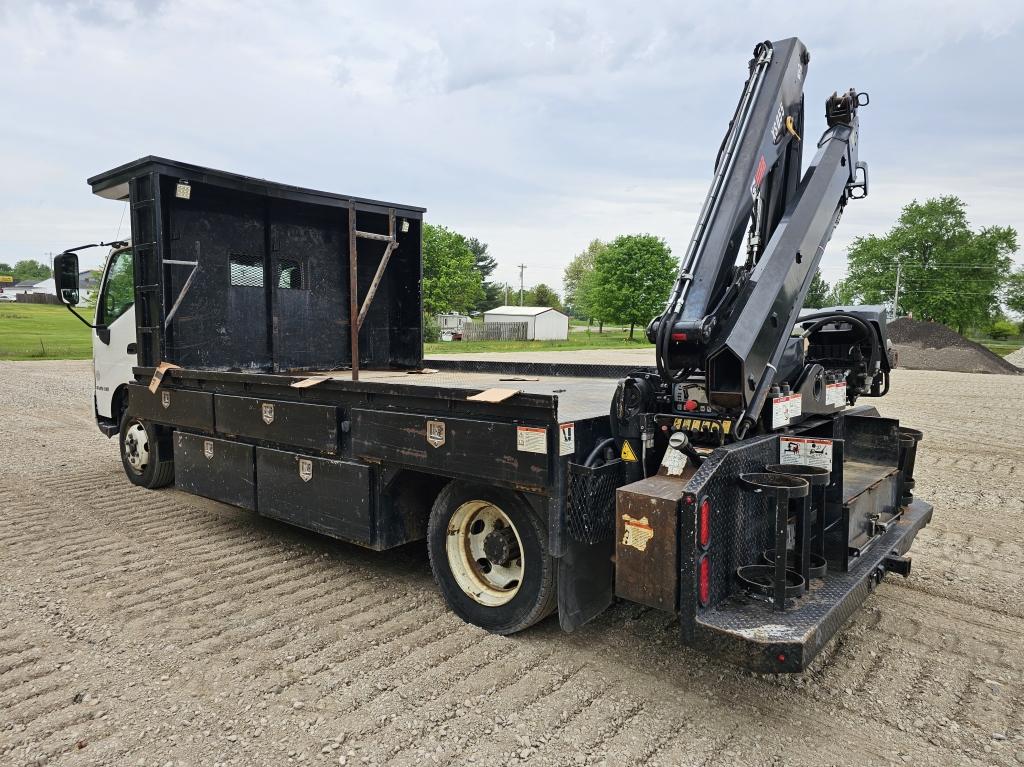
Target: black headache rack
238	273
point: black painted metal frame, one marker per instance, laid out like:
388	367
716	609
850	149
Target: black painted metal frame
193	226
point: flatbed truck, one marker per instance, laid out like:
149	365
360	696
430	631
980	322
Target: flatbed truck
276	364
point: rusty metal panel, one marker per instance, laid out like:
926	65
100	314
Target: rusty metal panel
507	453
646	549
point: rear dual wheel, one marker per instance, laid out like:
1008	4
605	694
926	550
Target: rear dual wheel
489	553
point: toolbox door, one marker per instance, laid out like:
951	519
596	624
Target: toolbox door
215	468
328	496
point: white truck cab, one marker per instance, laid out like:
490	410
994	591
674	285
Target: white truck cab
114	352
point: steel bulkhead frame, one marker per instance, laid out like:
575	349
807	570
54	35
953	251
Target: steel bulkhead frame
147	257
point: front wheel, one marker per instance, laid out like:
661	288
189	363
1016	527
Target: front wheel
489	553
144	455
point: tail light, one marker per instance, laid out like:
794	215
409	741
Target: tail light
704	580
704	524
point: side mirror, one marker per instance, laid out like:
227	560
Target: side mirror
65	276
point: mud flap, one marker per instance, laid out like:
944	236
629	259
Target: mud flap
585	579
586	571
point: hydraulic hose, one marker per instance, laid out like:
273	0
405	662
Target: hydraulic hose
822	319
596	452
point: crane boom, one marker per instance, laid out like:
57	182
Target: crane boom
729	320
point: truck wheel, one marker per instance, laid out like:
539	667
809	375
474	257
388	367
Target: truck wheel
142	454
489	553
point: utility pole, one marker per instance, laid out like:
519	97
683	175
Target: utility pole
896	293
506	294
521	268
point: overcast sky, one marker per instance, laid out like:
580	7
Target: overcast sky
534	126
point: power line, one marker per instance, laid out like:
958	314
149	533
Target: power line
949	292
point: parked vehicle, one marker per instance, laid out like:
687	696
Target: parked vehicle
276	364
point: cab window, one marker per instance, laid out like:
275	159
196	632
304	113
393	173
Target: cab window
119	288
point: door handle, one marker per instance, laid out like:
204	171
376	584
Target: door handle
132	348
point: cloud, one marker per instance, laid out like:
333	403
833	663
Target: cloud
534	126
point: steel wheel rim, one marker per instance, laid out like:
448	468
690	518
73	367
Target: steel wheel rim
136	447
487	580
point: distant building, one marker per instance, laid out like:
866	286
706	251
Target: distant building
25	286
450	326
453	322
87	285
542	322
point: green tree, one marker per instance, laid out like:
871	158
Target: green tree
1002	329
948	272
29	269
1013	292
633	276
818	293
6	268
840	294
542	295
485	264
451	282
579	281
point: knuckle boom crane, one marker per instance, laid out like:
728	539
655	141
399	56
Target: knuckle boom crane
738	484
791	499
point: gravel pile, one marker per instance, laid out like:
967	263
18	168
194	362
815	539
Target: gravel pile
1016	358
931	346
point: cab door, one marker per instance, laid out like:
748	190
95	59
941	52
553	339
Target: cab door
113	343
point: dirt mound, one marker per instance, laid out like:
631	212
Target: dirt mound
931	346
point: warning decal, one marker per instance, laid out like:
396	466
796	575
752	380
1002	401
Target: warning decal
566	439
806	451
835	394
785	409
637	532
532	439
627	453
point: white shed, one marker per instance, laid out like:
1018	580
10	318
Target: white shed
542	322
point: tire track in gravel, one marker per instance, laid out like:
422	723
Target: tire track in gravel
215	599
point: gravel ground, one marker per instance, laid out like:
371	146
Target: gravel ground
1016	358
160	629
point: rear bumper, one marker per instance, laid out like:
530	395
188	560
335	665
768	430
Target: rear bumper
753	634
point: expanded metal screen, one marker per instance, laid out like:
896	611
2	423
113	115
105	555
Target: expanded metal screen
590	511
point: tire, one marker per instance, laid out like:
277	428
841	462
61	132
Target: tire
497	594
145	453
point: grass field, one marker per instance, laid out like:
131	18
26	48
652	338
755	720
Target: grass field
1002	347
607	340
42	332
